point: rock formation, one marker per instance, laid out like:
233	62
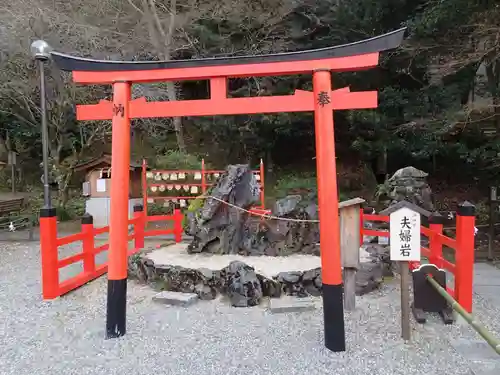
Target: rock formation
221	228
238	281
407	184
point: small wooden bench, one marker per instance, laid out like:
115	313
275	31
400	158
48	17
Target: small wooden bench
10	211
10	206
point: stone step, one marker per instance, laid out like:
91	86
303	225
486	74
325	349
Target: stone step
176	298
475	350
286	305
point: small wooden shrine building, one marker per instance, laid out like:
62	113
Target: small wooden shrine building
97	187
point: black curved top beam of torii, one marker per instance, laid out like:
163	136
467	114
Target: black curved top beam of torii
379	43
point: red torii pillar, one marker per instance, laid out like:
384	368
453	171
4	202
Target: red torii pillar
121	75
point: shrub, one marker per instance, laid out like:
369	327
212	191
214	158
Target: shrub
301	184
173	159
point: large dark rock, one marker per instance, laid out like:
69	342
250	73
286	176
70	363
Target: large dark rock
368	277
375	264
220	227
241	284
270	288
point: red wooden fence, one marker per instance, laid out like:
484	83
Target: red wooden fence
50	243
462	244
181	181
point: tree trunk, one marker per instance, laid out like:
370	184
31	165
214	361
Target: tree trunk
64	187
179	133
493	76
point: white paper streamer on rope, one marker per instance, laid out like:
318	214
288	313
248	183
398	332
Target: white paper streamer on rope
216	175
158	177
162	187
173	176
197	176
182	203
174	200
194	189
185	187
178	187
151	200
154	188
165	176
257	177
166	203
170	187
182	176
149	175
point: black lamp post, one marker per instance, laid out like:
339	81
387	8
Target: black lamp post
40	50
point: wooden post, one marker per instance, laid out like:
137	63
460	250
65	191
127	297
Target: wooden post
404	223
349	247
491	232
12	162
405	301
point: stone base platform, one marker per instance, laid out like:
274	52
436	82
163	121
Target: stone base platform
176	255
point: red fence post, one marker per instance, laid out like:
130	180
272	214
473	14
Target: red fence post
203	177
262	187
144	179
361	223
88	243
49	253
464	255
139	226
363	211
436	221
177	216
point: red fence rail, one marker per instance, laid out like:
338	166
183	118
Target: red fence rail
462	244
189	183
52	287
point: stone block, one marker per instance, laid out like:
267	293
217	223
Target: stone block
474	350
285	305
176	298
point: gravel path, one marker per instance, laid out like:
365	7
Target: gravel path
66	336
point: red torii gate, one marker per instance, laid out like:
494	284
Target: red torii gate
320	62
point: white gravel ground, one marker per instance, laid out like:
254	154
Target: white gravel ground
65	336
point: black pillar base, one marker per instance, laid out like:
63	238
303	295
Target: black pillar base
333	310
116	308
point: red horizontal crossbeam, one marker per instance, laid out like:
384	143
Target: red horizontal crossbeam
337	64
300	101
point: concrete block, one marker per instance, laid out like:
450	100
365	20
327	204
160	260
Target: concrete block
176	298
474	350
285	305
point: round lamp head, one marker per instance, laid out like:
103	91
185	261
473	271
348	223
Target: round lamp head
40	50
